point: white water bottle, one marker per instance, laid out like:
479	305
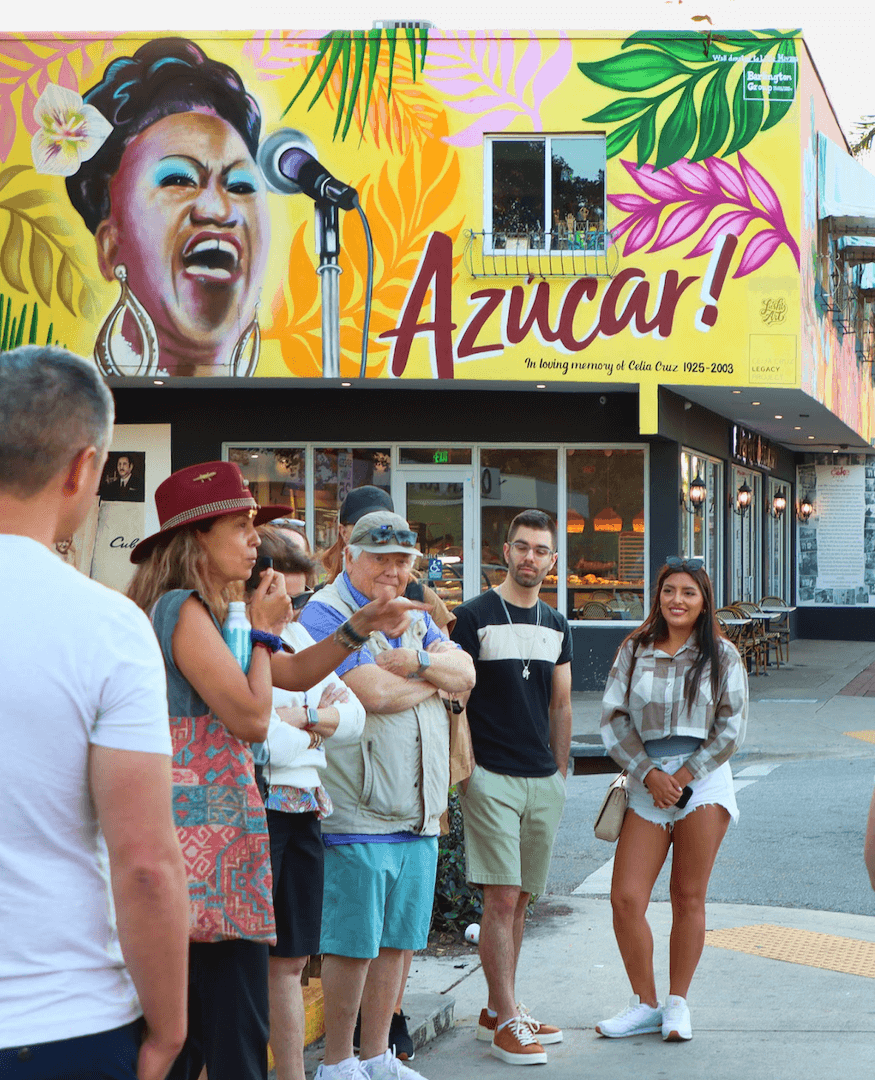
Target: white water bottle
236	633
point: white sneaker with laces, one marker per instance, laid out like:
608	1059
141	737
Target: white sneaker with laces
637	1019
676	1026
387	1067
343	1070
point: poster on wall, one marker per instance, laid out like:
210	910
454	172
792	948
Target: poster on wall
124	510
836	547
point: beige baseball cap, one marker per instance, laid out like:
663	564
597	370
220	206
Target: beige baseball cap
384	531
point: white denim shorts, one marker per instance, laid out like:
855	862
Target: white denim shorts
715	788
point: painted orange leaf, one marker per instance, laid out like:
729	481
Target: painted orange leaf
409	200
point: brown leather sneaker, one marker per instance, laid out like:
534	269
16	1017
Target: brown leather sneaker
515	1044
544	1033
486	1026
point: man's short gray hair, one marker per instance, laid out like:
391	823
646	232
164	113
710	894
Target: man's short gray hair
355	550
52	405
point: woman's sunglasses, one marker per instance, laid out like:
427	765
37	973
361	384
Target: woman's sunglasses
301	599
689	566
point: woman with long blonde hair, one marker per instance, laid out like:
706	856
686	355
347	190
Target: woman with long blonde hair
186	575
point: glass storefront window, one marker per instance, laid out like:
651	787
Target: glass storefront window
605	533
746	550
335	473
276	475
778	542
701	533
512	481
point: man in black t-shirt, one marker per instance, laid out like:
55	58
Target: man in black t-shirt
520	717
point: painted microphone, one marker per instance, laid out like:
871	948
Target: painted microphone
289	164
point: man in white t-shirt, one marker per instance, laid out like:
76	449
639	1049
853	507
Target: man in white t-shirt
93	897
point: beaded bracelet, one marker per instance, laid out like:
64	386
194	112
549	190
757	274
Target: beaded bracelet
316	740
348	639
352	633
269	641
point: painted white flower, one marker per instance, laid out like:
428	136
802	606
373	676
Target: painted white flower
70	131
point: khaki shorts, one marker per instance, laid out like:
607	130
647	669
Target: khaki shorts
510	826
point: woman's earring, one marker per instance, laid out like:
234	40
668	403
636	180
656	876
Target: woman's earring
250	338
127	304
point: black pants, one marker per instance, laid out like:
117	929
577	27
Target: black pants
228	1012
106	1055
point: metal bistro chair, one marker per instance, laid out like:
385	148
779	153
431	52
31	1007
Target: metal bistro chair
763	631
741	636
780	626
594	609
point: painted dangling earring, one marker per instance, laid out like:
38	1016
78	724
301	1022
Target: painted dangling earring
128	304
250	338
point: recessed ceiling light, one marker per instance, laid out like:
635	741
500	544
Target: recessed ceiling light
346	384
835	451
756	403
778	416
158	382
736	391
810	436
540	386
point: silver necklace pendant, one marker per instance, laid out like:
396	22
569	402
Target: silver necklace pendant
525	671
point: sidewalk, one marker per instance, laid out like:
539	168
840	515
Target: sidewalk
780	994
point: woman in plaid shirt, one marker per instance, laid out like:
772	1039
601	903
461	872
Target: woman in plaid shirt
674	712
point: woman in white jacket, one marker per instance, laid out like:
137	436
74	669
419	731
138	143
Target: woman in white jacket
302	725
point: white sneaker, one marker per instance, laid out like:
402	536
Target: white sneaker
343	1070
676	1025
637	1019
387	1067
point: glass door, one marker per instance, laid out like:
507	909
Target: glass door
439	504
746	530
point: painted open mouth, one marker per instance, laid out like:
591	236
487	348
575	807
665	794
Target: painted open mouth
213	258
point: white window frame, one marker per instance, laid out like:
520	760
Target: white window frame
489	141
713	498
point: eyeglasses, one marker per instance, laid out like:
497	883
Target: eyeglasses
689	566
301	599
387	534
540	552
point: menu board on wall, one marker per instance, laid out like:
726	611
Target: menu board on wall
124	510
836	547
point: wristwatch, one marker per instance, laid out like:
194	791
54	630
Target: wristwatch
312	718
424	661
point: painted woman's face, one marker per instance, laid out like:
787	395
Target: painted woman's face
189	220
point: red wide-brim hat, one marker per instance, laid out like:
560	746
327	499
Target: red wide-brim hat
199	492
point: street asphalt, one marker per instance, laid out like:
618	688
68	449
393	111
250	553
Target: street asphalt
780	993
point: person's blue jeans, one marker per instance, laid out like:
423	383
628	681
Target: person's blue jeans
105	1055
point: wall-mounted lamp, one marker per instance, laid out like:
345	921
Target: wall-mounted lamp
779	504
805	509
742	500
698	491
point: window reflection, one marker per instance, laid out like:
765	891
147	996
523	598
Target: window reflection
335	473
605	534
275	474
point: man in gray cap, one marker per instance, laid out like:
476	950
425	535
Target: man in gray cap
388	795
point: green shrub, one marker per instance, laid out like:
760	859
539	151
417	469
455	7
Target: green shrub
456	903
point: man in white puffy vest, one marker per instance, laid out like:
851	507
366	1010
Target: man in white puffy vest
388	792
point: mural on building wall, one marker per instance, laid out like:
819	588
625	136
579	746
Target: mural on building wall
835	549
139	225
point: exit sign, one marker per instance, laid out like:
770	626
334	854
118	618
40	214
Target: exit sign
441	457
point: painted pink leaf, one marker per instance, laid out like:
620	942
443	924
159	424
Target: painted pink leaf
280	50
735	222
7	135
729	179
642	233
623	226
661	185
760	249
682	223
629	203
485	75
696	177
762	189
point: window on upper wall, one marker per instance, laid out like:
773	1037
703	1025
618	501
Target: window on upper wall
544	193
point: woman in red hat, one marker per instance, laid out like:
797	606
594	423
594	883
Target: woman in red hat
186	575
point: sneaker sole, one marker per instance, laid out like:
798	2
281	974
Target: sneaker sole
548	1040
517	1059
484	1034
627	1034
676	1036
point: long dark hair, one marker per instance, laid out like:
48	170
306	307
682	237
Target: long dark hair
707	631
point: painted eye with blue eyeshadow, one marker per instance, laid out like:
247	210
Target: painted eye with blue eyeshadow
176	172
241	182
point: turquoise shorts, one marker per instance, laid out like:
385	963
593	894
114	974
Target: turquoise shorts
378	896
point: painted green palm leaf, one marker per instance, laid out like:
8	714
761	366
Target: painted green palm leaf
726	117
348	49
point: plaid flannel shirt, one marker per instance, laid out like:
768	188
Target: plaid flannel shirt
656	707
